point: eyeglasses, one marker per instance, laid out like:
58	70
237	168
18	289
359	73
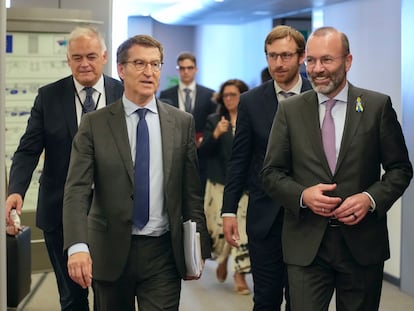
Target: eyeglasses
232	95
324	60
285	56
140	65
183	68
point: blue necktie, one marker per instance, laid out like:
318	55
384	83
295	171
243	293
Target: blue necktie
141	176
286	94
89	103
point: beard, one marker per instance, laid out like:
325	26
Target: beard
336	79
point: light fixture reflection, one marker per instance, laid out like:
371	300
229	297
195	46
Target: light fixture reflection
176	11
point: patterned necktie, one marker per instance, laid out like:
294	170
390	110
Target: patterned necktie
141	175
187	100
328	135
286	94
89	103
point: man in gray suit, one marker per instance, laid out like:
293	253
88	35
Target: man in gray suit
53	122
127	257
335	197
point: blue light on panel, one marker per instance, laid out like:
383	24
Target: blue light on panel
9	44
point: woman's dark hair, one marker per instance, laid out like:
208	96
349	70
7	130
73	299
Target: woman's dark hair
241	85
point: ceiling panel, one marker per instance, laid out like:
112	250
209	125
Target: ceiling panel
196	12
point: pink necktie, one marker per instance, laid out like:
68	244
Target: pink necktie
328	135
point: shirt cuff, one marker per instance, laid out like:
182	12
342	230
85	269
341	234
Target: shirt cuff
228	215
373	204
301	202
77	248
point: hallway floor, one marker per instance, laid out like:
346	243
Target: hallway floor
203	295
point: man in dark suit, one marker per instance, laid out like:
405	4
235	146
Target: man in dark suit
52	125
284	48
133	254
335	196
200	101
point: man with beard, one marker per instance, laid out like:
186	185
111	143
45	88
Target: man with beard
323	162
284	48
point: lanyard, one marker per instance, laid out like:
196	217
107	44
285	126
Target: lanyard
96	105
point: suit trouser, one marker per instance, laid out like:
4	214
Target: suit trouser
268	269
72	296
358	288
150	275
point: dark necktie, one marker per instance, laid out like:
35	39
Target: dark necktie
286	94
88	104
141	176
187	100
328	135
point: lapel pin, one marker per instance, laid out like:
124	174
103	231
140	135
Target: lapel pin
358	105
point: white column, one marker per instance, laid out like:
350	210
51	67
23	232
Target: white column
3	278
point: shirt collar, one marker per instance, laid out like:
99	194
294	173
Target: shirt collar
191	86
342	95
294	89
99	85
130	107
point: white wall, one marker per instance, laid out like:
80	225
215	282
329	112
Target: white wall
407	47
373	28
231	51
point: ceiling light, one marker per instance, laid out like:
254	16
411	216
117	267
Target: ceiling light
175	12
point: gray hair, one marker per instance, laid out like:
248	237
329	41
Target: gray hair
86	31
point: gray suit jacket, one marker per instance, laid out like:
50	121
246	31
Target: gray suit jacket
101	155
295	160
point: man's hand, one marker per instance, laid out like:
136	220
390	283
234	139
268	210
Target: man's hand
314	198
13	201
191	278
353	209
231	230
80	268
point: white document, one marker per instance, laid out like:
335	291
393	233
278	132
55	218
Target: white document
192	249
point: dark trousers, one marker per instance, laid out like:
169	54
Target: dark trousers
72	296
268	269
358	288
150	276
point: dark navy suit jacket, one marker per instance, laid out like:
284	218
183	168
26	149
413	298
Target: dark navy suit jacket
255	116
51	127
203	103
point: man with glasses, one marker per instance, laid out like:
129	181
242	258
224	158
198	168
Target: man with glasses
324	163
192	98
284	48
53	122
140	155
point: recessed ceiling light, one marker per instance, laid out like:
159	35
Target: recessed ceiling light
261	13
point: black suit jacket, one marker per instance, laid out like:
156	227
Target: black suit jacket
51	127
372	139
216	151
203	104
256	111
